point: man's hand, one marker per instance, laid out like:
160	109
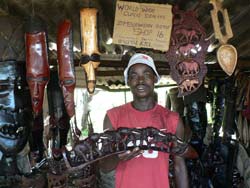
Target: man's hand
130	154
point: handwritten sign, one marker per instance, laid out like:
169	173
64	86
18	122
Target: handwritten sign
143	25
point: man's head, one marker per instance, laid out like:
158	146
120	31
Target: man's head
141	75
140	58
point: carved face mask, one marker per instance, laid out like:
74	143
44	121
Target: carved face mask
66	65
90	59
15	112
187	51
90	74
55	97
37	67
57	111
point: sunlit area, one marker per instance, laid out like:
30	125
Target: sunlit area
124	94
93	108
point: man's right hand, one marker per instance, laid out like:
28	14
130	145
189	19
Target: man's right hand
130	154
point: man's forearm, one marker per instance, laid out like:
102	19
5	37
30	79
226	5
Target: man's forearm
108	164
181	175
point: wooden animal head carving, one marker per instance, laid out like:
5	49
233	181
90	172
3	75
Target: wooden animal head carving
90	59
186	54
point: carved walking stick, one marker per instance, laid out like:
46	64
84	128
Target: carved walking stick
90	59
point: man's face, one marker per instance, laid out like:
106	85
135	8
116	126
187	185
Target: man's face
141	79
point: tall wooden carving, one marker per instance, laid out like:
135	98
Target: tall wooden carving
66	65
90	59
37	65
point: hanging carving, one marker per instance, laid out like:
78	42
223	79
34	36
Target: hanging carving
15	112
37	65
226	54
90	58
187	51
217	8
227	58
66	65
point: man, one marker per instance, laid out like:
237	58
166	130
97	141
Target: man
144	169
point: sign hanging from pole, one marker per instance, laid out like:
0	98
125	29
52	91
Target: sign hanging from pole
143	25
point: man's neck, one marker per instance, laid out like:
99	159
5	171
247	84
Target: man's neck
143	104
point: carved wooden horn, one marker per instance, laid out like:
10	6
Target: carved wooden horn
90	59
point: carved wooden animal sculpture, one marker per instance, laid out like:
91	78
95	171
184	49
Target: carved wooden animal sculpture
187	51
90	59
188	68
100	145
66	65
188	85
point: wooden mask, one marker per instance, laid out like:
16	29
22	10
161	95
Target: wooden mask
90	59
66	65
15	108
37	67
